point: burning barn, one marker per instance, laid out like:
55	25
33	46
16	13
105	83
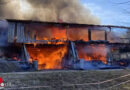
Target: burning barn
50	45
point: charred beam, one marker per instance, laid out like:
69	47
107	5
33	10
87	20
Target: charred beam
89	34
75	54
106	35
26	53
67	28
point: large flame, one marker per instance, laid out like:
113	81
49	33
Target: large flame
52	34
48	56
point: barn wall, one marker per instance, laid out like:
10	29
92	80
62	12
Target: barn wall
23	32
11	32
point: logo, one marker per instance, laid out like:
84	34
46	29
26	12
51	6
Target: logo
2	85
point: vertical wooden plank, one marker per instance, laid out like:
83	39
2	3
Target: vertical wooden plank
29	36
26	36
20	33
11	32
67	32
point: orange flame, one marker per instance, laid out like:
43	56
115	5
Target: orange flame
92	52
49	57
78	34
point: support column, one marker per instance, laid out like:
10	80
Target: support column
89	34
105	35
67	28
74	51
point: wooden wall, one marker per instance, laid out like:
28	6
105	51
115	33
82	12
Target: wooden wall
11	32
21	32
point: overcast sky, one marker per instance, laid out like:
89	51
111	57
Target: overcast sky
109	12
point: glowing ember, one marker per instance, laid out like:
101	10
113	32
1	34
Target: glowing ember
49	57
92	52
78	34
59	33
40	32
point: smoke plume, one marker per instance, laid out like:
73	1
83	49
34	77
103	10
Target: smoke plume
71	11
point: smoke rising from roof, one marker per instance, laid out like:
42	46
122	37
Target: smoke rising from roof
71	11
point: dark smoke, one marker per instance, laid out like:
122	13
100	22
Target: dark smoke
47	10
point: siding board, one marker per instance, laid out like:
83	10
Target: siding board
20	33
11	32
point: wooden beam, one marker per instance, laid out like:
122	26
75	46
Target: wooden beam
27	57
105	35
89	34
67	33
